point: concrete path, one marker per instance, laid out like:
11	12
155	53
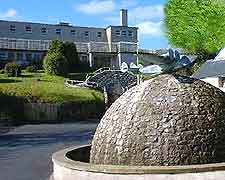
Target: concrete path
25	152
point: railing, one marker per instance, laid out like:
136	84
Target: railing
43	45
75	83
24	44
146	51
127	47
101	70
82	47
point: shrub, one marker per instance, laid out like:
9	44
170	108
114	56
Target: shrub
2	71
84	67
69	50
31	69
12	69
55	64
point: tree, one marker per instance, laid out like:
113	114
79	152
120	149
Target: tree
55	46
55	63
69	50
196	26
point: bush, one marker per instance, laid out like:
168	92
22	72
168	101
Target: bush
55	64
84	67
12	69
31	69
2	71
69	50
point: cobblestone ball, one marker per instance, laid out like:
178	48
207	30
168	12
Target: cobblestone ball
169	120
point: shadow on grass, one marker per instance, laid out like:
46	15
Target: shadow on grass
9	81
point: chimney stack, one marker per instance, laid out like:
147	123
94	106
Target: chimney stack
123	17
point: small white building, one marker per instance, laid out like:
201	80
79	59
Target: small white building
213	71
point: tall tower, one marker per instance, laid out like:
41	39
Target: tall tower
123	17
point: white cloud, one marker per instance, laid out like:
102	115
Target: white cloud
96	7
113	20
148	28
128	3
143	13
10	13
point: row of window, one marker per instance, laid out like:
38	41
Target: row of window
58	31
20	56
124	33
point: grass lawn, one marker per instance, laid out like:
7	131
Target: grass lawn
39	87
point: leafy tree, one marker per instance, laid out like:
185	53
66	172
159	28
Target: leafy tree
196	26
69	50
55	46
55	63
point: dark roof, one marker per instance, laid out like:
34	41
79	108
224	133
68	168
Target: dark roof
211	68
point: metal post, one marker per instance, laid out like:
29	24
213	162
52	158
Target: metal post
119	59
90	59
137	54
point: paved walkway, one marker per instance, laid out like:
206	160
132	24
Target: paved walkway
25	152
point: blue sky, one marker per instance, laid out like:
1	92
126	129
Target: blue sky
145	14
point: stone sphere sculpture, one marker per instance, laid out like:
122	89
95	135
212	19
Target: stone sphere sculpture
169	120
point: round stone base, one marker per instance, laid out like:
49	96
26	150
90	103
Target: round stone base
73	163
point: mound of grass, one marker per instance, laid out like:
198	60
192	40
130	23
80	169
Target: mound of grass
39	87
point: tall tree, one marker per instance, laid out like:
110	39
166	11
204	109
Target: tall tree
69	50
55	62
196	26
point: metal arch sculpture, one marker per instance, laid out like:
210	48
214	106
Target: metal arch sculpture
177	61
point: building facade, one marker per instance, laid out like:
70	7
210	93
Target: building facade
26	41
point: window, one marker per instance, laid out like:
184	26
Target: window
28	57
11	56
19	56
43	30
73	32
130	33
124	33
58	31
28	29
86	33
99	34
3	56
36	56
84	59
12	28
117	32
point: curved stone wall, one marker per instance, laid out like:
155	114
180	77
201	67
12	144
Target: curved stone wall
66	168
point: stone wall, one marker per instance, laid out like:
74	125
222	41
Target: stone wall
47	112
72	163
50	113
41	111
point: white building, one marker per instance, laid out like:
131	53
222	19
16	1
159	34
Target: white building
213	71
110	46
